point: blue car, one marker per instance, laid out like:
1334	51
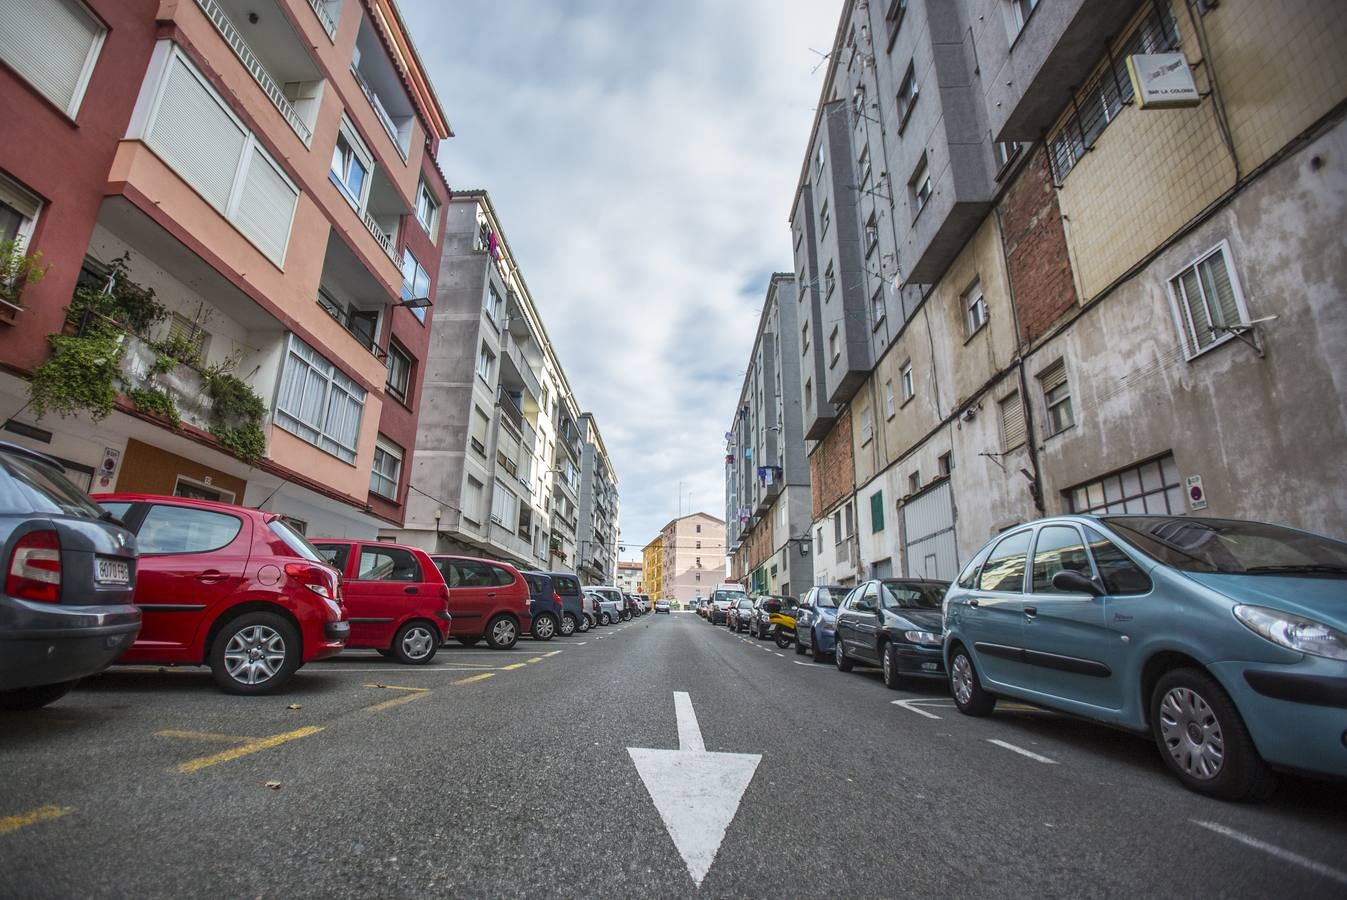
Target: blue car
816	620
1224	640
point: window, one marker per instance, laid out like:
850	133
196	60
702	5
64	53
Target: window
197	135
1058	549
945	465
863	166
975	308
834	347
1004	570
182	529
415	282
383	479
427	209
472	501
914	483
808	394
399	372
849	519
18	212
893	18
1012	422
387	564
818	539
1057	397
699	529
829	282
1152	487
907	96
877	307
871	235
968	577
53	45
823	220
480	424
1116	569
867	427
909	387
183	329
804	338
818	164
504	506
1019	12
699	545
888	399
494	304
919	186
1209	303
318	402
837	527
352	164
876	512
698	562
486	363
1003	152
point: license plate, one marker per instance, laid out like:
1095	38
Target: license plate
114	571
930	667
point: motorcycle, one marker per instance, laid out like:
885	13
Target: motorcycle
782	619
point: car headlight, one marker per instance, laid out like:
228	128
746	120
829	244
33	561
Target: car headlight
1293	632
922	637
828	626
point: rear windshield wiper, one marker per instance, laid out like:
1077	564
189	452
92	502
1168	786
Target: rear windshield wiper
1307	569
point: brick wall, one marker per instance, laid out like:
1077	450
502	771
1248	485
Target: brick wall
1039	267
832	467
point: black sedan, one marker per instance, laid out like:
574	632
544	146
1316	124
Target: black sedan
66	610
893	623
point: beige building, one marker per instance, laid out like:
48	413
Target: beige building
693	558
629	576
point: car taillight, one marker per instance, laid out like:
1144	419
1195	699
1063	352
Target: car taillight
35	568
315	579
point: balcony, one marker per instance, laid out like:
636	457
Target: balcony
510	413
351	294
518	372
328	12
263	39
382	86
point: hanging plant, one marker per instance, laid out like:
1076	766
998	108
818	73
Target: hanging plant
154	400
18	270
236	415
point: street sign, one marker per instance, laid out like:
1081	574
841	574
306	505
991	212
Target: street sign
1162	81
1197	499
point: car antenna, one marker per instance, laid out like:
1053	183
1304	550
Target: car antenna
269	496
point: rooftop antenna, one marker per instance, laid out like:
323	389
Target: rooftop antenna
823	58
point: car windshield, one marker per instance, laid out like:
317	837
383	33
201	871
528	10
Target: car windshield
35	486
1232	546
297	542
728	596
912	594
829	597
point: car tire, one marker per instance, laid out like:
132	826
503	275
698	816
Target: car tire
253	644
469	640
1188	702
544	627
626	615
605	618
415	643
965	686
35	697
502	633
817	654
889	662
567	626
840	657
784	639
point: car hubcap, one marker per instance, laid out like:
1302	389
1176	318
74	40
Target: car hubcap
888	668
1192	733
567	626
963	680
254	654
837	654
417	642
503	632
545	628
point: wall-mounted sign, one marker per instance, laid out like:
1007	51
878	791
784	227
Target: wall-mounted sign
107	469
1197	498
1162	81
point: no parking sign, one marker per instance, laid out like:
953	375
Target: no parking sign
1197	499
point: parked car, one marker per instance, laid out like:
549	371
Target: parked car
632	604
1225	640
662	606
573	616
544	605
647	603
487	599
229	587
739	613
816	620
893	623
724	596
760	622
611	604
396	599
66	610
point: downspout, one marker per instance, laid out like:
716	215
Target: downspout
1036	483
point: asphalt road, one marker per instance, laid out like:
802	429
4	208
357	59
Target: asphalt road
508	774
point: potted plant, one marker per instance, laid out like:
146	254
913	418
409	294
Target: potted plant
18	270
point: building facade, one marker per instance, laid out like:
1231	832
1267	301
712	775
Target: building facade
598	534
693	549
630	576
652	567
767	501
234	202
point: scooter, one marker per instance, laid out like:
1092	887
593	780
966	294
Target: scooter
782	620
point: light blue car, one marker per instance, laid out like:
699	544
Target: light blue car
1224	640
816	620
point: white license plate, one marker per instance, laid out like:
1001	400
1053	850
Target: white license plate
114	571
929	667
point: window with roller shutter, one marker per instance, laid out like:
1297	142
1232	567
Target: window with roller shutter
53	45
1056	398
1012	422
1208	301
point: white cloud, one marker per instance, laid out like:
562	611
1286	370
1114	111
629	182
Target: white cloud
643	157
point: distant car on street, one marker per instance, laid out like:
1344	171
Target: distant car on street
739	613
612	605
718	611
816	618
487	599
662	606
566	586
544	604
893	623
66	610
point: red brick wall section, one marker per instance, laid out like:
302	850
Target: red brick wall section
1039	267
832	470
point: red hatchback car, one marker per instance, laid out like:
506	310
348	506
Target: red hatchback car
488	599
396	600
229	587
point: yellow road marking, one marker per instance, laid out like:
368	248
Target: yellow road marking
32	817
398	701
511	668
536	659
203	762
205	736
470	679
397	687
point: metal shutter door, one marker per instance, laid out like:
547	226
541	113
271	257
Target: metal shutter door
266	207
193	134
48	43
1053	377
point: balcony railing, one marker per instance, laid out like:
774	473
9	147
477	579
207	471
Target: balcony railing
384	118
329	25
255	67
511	413
384	240
185	386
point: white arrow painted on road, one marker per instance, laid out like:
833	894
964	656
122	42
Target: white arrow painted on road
696	792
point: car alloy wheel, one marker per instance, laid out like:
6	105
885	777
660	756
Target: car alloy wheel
254	654
502	633
567	627
1192	733
961	679
544	628
417	643
840	656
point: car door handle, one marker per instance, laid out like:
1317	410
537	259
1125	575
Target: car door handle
412	590
1031	611
210	576
492	594
974	602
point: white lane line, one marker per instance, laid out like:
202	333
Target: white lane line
814	665
581	643
1316	867
689	732
909	705
1022	752
782	655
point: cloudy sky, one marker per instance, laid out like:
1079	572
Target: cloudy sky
642	155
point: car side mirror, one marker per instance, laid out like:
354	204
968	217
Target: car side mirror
1076	583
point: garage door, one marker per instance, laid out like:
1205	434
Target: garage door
929	546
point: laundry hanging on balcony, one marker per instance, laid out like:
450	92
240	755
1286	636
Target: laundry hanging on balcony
769	475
